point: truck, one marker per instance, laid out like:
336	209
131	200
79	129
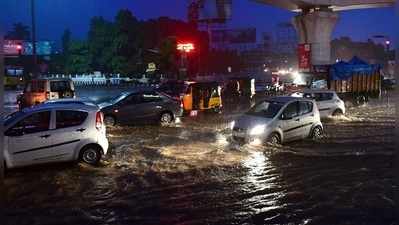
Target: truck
355	81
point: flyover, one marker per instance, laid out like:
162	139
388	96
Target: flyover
316	21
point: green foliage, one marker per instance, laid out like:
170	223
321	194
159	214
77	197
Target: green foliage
126	45
78	59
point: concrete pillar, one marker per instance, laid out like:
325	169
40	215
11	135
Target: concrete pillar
315	28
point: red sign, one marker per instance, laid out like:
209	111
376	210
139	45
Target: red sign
304	57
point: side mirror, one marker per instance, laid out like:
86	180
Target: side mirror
14	133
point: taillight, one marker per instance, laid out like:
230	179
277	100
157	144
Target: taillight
47	95
99	120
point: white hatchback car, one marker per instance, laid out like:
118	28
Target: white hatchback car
277	120
328	102
54	133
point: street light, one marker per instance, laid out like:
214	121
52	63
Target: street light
184	48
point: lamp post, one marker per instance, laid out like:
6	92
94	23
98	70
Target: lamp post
34	55
1	109
185	49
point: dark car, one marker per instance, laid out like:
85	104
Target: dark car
141	107
388	84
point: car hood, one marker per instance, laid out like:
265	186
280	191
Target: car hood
250	121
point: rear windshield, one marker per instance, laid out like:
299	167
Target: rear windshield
268	109
36	86
59	86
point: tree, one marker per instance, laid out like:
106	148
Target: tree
101	44
78	59
66	39
19	32
126	43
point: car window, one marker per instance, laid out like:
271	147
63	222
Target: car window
305	107
268	109
37	122
291	110
151	97
323	96
69	118
132	99
59	86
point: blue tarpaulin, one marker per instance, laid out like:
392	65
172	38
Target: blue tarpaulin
345	70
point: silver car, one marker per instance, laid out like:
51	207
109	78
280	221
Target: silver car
277	120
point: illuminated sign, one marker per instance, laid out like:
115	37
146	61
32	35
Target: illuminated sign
186	47
13	47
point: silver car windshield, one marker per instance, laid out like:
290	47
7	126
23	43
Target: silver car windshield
268	109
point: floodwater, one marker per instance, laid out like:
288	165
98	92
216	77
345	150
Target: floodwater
190	173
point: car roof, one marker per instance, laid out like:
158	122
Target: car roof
318	91
286	99
70	100
42	107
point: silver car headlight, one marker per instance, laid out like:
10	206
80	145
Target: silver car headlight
232	124
258	130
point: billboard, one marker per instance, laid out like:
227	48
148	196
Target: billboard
215	11
17	47
42	48
235	36
304	57
13	47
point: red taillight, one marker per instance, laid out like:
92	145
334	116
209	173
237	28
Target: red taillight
99	120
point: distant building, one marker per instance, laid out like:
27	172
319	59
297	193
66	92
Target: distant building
286	39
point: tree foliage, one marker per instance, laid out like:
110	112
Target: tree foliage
126	45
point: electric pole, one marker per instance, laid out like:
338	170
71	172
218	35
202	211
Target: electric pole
34	55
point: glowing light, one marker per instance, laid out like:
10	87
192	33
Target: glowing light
387	42
257	130
232	124
186	47
19	47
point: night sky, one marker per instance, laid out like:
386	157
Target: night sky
53	16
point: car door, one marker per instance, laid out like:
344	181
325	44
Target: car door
29	140
325	103
152	104
130	109
307	118
69	131
290	121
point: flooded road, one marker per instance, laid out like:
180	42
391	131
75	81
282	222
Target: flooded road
190	173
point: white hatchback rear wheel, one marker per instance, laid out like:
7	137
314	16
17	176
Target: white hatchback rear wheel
90	155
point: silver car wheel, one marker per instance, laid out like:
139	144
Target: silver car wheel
317	133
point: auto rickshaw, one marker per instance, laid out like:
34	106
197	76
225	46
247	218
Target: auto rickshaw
202	96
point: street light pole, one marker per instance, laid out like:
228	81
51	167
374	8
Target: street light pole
34	55
1	109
